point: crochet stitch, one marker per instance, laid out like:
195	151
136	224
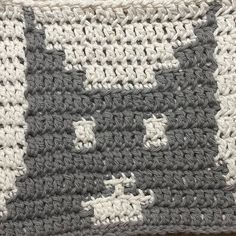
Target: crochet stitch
117	117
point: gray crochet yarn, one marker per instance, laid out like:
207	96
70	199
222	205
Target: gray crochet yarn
117	117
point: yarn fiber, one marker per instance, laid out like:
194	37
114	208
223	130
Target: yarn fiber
117	117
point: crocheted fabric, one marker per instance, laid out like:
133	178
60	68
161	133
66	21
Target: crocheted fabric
117	117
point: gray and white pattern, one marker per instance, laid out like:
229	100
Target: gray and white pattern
155	131
119	207
13	104
85	137
225	75
117	117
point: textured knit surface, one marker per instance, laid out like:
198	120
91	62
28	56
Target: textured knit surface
117	117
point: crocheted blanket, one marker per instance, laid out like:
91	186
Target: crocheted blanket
117	117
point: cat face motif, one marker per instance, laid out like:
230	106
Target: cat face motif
126	118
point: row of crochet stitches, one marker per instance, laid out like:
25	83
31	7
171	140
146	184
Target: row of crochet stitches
120	131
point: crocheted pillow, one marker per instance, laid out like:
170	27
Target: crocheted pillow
117	117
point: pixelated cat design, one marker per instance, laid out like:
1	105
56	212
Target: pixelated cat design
74	117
